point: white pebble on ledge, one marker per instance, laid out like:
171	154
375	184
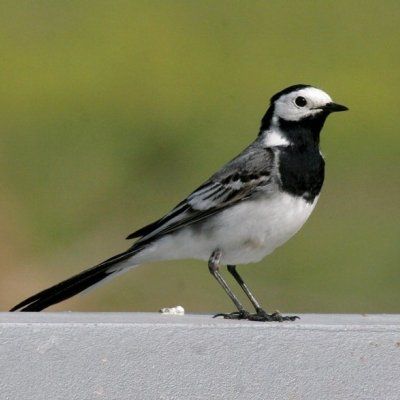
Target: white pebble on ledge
178	310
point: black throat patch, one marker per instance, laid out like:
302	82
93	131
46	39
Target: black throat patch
302	171
301	166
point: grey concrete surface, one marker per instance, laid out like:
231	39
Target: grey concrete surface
150	356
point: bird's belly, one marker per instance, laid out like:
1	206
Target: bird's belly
245	233
251	230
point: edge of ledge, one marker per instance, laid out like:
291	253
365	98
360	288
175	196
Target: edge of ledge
335	322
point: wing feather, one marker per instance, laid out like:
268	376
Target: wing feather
237	181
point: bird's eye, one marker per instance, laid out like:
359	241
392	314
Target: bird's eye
300	101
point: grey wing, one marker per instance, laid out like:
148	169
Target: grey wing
237	181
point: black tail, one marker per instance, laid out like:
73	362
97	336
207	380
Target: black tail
74	285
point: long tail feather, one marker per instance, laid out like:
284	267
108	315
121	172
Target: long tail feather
74	285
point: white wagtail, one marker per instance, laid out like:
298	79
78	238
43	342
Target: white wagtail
252	205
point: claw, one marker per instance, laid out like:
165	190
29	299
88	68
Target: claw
263	316
234	315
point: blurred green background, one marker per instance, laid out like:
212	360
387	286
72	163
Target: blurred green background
111	112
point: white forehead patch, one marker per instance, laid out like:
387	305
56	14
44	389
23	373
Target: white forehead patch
287	109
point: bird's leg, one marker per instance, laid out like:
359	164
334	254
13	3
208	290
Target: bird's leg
239	280
213	266
261	315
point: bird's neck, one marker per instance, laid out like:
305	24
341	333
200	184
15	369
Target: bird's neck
305	132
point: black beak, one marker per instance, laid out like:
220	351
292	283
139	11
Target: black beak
333	107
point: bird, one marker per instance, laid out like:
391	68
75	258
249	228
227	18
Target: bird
252	205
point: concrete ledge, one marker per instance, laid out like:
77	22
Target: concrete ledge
151	356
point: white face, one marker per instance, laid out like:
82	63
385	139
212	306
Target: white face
301	103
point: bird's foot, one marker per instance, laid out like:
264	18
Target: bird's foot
234	315
263	316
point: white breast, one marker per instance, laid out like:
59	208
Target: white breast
245	233
262	226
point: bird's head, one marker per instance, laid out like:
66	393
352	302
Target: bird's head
299	106
301	101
